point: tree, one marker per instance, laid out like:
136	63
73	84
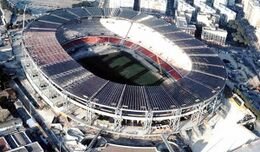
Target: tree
238	32
3	79
232	24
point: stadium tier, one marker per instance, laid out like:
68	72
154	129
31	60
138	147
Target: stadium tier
48	39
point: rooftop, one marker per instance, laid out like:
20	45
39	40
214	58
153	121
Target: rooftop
4	146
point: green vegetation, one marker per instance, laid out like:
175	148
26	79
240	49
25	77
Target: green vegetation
120	67
3	79
228	92
238	32
83	4
2	99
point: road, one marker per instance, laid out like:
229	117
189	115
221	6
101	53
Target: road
24	96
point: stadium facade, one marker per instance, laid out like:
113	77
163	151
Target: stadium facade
191	94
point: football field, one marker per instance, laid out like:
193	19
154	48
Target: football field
121	67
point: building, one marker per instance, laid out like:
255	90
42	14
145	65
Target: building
154	5
182	22
227	14
204	8
4	146
191	29
204	19
19	142
207	19
121	3
144	5
218	2
214	35
182	6
184	14
252	11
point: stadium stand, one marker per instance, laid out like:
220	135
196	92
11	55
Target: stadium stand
127	14
204	50
94	11
51	19
49	37
80	13
167	29
63	13
134	98
154	22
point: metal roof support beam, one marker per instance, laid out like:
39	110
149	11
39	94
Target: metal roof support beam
148	122
215	103
66	104
200	115
118	120
89	113
175	122
196	117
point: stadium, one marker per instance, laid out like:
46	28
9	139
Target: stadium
122	71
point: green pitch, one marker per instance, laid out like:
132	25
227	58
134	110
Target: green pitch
120	67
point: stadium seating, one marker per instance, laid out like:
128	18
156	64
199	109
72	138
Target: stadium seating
127	14
190	43
140	17
115	12
110	94
177	36
167	29
40	25
94	11
86	87
213	60
214	70
196	89
204	50
79	12
154	22
107	12
52	19
180	95
207	80
63	13
156	94
134	98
